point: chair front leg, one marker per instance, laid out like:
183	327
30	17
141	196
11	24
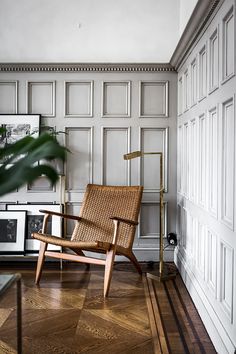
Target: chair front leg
108	269
41	257
110	259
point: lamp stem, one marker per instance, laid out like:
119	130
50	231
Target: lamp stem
161	244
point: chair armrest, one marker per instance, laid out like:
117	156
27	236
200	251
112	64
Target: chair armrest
66	216
126	221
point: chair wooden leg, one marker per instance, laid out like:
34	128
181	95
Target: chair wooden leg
133	259
108	270
41	257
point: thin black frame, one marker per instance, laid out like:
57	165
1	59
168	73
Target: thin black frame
14	227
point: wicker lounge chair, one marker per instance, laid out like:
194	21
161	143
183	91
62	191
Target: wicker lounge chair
107	223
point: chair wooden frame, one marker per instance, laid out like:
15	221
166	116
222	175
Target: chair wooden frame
109	248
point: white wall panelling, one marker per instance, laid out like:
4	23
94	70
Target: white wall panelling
228	59
202	60
206	177
212	161
79	165
153	140
193	158
40	97
115	143
78	98
116	99
180	95
226	284
194	82
227	164
201	246
99	112
150	221
214	60
186	95
153	99
202	160
71	209
41	184
212	262
180	160
185	159
9	97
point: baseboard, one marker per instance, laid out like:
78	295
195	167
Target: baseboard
216	331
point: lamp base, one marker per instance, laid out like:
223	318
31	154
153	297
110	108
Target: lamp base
166	274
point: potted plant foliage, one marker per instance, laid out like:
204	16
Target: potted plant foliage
19	161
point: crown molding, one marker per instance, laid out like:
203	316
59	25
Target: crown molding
77	67
198	22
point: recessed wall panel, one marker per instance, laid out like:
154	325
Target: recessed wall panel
214	61
40	98
115	143
116	99
194	82
180	95
202	59
202	160
78	98
186	159
226	280
153	140
227	169
8	97
71	209
189	235
193	158
79	164
41	184
213	162
186	90
150	220
180	159
200	250
212	262
228	45
153	98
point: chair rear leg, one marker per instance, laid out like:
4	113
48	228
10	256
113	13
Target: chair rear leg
108	270
41	257
133	259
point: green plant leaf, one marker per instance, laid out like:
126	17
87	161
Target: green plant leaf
20	161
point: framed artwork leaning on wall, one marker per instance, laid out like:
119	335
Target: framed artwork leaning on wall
12	231
34	223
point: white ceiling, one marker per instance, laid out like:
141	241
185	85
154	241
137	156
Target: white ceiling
144	31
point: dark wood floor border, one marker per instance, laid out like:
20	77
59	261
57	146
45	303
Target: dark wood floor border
156	325
189	319
170	308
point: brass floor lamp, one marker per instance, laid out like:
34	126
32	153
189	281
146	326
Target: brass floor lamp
163	273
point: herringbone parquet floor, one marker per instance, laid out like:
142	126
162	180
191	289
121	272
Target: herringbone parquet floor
67	314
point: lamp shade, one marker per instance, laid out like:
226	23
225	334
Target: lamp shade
132	155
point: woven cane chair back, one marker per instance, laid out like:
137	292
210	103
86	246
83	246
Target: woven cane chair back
102	202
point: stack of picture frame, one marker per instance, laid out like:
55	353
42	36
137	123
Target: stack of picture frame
19	221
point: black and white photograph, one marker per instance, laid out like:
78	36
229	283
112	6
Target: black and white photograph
34	223
12	231
17	126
